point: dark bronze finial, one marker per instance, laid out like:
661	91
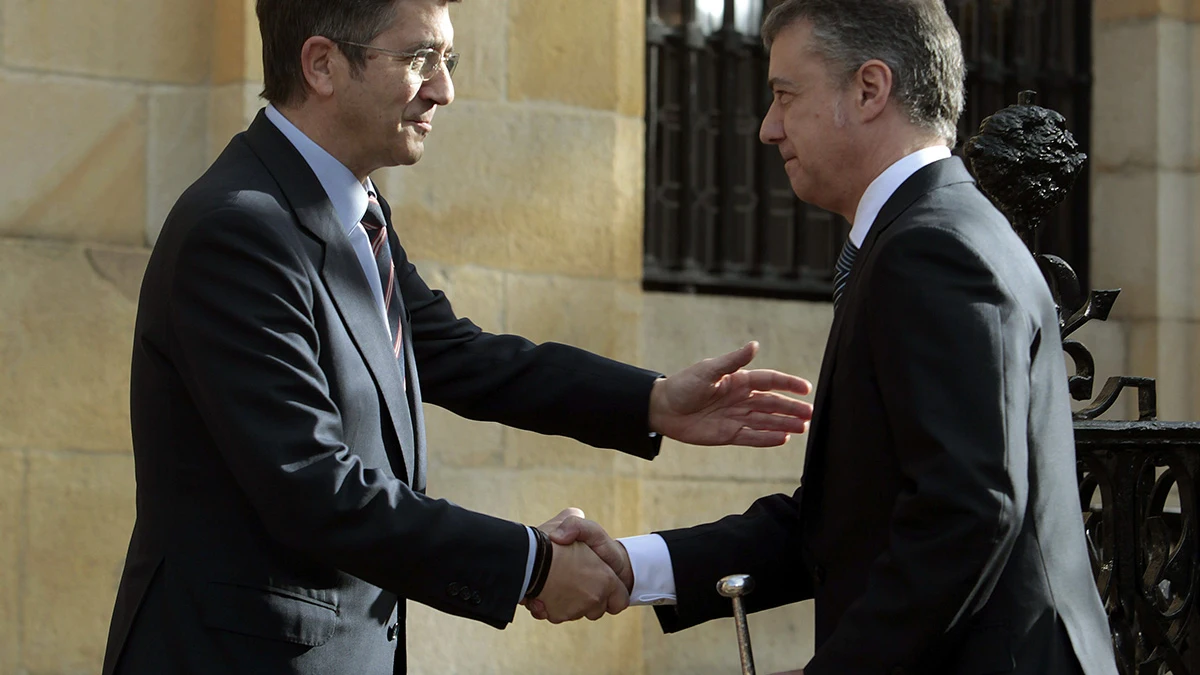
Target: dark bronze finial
1026	161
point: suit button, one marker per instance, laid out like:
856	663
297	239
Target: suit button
465	593
452	589
393	632
819	575
475	599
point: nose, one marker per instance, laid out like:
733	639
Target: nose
771	131
438	89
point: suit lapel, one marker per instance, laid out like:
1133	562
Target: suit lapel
340	270
927	179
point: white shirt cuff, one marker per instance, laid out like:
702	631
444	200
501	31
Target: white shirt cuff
653	575
529	563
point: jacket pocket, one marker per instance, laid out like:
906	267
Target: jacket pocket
267	612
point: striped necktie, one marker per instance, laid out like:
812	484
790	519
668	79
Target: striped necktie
841	272
377	233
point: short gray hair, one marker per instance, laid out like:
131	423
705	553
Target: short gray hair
915	38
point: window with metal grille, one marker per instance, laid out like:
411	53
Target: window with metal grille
720	214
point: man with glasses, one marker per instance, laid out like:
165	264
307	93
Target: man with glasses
284	345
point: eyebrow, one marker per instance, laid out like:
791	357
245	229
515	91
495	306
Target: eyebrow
436	45
780	81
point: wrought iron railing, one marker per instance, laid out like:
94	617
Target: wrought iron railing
720	214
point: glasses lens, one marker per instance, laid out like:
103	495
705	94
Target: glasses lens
432	62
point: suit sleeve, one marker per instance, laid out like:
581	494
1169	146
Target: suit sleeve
549	388
763	542
951	352
244	342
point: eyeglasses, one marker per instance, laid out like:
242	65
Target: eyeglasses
423	62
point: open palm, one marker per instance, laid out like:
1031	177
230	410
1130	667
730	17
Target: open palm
718	402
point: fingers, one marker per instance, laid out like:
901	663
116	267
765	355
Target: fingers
733	361
574	529
784	423
773	380
552	524
778	404
759	439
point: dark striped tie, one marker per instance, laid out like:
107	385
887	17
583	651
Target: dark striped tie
373	222
841	272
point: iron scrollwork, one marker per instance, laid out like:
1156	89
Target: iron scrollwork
1026	161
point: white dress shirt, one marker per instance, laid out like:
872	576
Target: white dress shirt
349	199
653	575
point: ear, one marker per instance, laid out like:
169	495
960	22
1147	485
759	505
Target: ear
874	80
317	60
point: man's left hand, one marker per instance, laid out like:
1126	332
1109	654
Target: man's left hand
716	402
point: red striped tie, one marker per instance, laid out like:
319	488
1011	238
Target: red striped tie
377	233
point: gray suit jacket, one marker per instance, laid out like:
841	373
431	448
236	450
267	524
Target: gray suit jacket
938	525
280	459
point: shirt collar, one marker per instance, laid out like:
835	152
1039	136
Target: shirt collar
348	196
885	185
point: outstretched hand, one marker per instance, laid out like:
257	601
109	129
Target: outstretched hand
717	402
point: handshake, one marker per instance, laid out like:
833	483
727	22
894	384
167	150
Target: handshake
590	574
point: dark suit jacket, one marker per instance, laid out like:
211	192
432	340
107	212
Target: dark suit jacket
938	526
280	461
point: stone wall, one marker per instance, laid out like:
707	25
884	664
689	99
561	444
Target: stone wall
1145	157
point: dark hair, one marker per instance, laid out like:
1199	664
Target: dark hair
287	24
915	38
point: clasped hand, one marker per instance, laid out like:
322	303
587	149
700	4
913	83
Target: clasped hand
581	582
590	574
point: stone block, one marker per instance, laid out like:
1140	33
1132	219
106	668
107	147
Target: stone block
476	293
12	542
1125	10
782	637
597	315
522	189
77	152
600	316
237	43
680	330
1125	240
1176	225
528	450
132	39
588	55
1168	351
81	511
231	108
481	36
458	442
1144	98
66	326
611	645
1126	70
1193	119
1176	74
178	151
